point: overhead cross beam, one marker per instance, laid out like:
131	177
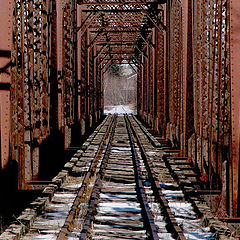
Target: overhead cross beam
155	24
103	59
91	17
85	20
107	67
93	41
116	28
138	60
147	41
142	52
105	64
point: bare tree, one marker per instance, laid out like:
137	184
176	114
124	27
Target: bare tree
120	86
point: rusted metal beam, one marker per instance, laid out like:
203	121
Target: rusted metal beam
99	33
103	59
84	22
100	51
235	100
146	40
142	52
109	65
5	79
85	25
104	65
139	61
156	23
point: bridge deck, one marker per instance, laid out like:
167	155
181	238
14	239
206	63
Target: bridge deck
122	184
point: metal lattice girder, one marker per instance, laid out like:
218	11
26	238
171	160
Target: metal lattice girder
188	80
118	20
212	102
199	90
29	95
58	62
112	34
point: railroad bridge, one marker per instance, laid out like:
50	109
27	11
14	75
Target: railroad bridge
54	56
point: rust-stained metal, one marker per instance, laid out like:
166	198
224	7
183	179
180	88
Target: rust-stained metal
43	75
198	112
5	79
211	89
235	106
115	33
75	209
30	89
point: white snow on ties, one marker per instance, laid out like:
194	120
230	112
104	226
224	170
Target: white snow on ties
120	109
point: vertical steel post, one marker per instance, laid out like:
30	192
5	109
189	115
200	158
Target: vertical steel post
235	102
5	79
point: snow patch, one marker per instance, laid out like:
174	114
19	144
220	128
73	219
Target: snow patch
119	109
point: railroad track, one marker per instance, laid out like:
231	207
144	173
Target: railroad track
182	219
116	187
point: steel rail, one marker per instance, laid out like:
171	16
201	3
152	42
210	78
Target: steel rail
143	130
157	189
97	187
68	225
151	227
